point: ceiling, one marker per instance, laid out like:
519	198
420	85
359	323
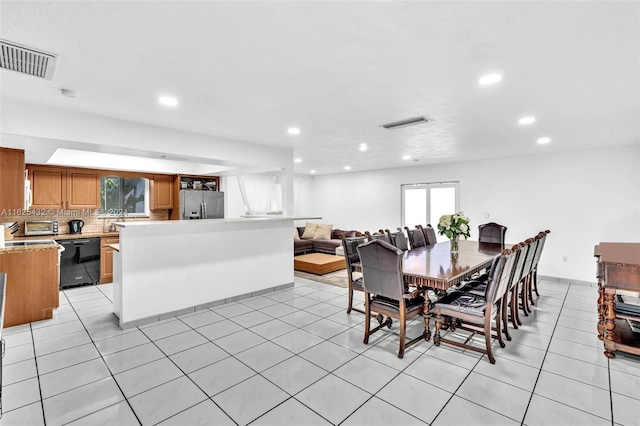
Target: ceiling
247	71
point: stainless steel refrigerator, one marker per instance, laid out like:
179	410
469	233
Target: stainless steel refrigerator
198	204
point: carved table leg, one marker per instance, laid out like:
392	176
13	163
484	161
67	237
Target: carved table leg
427	317
600	310
609	325
436	336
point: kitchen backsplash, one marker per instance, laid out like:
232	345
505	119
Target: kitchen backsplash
92	223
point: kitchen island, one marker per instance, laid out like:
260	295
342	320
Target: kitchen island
167	268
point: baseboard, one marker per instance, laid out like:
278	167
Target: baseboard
568	281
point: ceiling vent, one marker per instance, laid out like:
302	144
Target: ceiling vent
407	122
27	60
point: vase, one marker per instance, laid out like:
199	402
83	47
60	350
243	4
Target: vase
454	243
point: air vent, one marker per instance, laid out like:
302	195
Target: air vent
27	60
407	122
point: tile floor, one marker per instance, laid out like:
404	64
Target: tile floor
294	357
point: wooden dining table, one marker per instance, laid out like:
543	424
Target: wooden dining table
436	267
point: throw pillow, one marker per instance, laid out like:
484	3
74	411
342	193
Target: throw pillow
296	235
323	232
309	231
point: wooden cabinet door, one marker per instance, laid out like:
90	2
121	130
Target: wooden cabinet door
162	192
106	259
83	189
48	186
11	178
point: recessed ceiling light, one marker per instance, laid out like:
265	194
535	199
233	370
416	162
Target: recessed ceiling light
347	167
168	100
527	120
490	79
543	140
406	157
293	131
297	160
362	147
312	171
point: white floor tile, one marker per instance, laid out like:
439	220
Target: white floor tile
221	375
294	374
231	310
197	357
626	384
201	318
28	415
414	396
164	401
20	394
147	376
17	353
626	410
19	371
543	411
325	328
263	356
509	371
366	373
240	341
180	342
131	358
459	411
165	329
258	302
297	340
66	341
378	412
495	395
272	329
219	329
250	399
333	398
300	318
328	355
72	377
202	414
251	318
577	370
291	413
121	342
442	374
117	414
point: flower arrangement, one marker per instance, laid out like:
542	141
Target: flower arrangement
453	225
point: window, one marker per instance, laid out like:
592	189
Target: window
424	203
120	196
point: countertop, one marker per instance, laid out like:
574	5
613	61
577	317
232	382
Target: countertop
25	249
66	236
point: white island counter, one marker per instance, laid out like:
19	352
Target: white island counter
167	268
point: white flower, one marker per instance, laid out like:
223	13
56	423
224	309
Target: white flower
464	228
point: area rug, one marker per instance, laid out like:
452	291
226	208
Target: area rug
337	278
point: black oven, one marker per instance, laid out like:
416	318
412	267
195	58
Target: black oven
79	262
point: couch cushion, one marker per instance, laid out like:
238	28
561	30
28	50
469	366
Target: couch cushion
309	231
326	246
323	232
296	235
338	234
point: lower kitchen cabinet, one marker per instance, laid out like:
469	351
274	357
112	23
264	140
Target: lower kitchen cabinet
106	259
32	292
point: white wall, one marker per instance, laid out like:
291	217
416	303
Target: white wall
582	197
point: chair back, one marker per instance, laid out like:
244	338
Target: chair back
531	255
380	235
398	239
491	233
500	276
351	256
543	239
382	269
518	269
416	237
430	235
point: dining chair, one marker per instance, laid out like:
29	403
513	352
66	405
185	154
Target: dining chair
477	314
380	235
525	283
397	239
534	276
429	234
491	233
352	258
416	238
385	291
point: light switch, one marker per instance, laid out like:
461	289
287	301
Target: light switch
486	215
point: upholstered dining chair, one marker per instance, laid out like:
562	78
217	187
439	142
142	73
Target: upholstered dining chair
385	291
429	234
398	239
536	259
491	233
351	257
477	314
416	237
380	235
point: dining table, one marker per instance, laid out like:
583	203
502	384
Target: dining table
435	267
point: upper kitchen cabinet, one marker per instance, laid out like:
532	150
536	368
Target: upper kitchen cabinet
11	178
162	192
62	188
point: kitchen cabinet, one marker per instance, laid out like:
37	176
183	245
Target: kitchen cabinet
11	178
63	188
162	192
32	293
106	259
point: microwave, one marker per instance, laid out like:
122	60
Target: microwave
41	227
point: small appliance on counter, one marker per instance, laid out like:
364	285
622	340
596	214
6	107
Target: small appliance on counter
75	226
40	227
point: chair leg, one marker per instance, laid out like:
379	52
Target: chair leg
535	281
499	326
350	300
403	330
513	306
523	297
529	289
367	321
487	338
503	312
436	334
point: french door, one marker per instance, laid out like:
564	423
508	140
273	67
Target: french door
424	203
